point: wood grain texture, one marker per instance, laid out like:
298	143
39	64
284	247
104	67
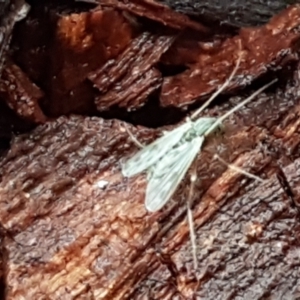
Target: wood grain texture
80	230
238	13
72	227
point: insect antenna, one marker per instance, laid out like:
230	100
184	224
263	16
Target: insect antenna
237	169
237	107
222	88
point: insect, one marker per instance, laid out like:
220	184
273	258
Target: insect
168	159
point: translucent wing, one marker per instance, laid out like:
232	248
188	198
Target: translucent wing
151	153
168	173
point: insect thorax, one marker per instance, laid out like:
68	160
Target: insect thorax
198	128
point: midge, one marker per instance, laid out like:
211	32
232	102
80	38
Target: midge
168	159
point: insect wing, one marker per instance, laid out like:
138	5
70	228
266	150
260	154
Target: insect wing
151	153
169	172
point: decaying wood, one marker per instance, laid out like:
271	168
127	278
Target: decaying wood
11	12
238	13
72	227
267	47
128	80
21	94
81	230
155	11
73	45
87	46
84	42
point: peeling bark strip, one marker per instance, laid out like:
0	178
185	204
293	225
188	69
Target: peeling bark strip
83	43
155	11
11	12
81	229
239	13
267	47
73	228
129	79
21	94
131	96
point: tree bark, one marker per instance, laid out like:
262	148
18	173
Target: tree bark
239	13
72	227
81	230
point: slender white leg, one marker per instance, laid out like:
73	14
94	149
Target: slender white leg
191	221
237	169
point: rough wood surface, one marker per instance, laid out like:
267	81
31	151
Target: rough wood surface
10	13
232	12
72	227
22	95
80	230
155	11
128	80
264	48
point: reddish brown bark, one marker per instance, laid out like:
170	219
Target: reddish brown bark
82	229
264	48
21	94
128	80
72	227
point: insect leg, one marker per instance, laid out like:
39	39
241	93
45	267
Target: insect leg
237	169
222	88
190	219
